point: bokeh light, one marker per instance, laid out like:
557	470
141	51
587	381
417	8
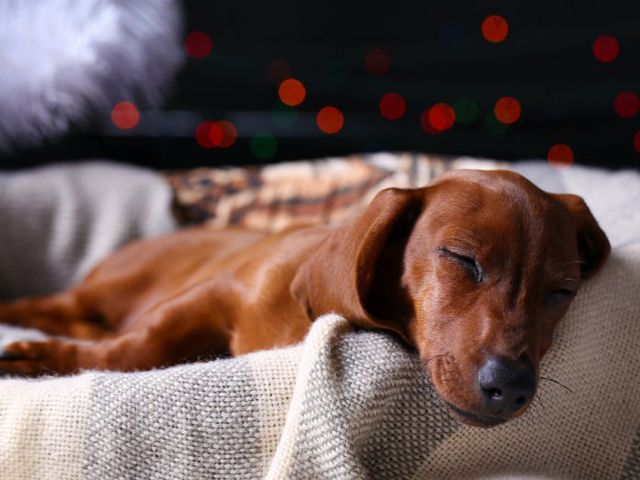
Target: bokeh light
495	28
198	44
263	145
560	155
507	110
278	70
438	118
466	110
377	61
636	141
392	106
125	115
223	134
606	48
493	125
283	116
330	120
292	92
626	104
203	136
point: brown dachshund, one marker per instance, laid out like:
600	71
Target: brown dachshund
474	271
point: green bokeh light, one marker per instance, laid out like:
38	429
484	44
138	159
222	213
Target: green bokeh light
466	110
263	145
283	116
493	125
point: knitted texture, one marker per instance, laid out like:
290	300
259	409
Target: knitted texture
345	404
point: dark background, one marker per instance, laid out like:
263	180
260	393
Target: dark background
438	55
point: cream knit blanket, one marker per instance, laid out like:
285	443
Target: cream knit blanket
343	405
347	404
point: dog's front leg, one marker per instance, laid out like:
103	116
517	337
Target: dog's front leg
183	329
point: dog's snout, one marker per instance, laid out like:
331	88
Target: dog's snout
506	386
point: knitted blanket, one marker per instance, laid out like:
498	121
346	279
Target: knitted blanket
343	405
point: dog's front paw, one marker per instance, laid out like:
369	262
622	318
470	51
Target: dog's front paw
26	358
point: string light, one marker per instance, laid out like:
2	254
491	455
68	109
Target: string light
292	92
626	104
507	110
283	116
125	115
222	134
278	70
493	125
392	106
330	120
438	118
198	44
263	145
606	48
203	136
377	61
560	155
495	28
466	110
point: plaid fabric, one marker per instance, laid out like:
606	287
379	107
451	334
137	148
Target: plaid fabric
273	197
342	405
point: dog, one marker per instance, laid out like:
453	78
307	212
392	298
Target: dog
473	271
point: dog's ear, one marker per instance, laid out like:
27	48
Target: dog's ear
593	244
357	270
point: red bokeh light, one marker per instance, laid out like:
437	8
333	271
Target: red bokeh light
507	110
626	104
560	155
292	92
125	115
636	141
198	44
606	48
392	106
203	136
495	28
278	70
330	120
377	61
223	134
438	118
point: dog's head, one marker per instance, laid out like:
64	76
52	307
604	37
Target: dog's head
475	271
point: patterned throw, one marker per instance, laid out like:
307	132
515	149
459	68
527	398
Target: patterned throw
343	405
273	197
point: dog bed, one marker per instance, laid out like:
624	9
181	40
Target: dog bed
344	404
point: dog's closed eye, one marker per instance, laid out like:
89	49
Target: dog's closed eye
468	263
561	295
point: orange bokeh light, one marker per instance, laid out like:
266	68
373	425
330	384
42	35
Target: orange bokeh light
125	115
222	134
377	61
495	28
198	44
292	92
438	118
626	104
507	110
330	120
560	155
392	106
606	48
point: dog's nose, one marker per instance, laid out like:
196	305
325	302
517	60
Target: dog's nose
506	386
